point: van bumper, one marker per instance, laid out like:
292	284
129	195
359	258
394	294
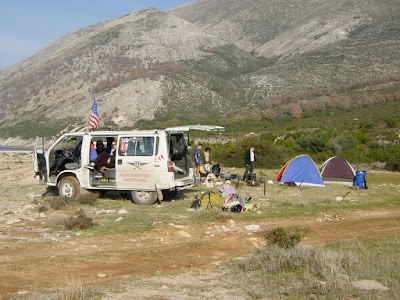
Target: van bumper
184	183
180	188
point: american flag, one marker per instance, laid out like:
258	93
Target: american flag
94	118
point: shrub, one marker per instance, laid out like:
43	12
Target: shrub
42	208
393	164
79	221
76	290
281	238
56	220
57	203
88	198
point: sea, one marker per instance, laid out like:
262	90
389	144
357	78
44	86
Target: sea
13	149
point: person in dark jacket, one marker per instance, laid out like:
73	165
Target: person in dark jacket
104	160
249	160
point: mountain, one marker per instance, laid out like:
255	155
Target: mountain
204	59
282	28
310	43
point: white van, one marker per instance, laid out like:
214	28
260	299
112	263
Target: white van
146	162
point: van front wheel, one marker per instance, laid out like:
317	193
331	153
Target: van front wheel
144	197
69	187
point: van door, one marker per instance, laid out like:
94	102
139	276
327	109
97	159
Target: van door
179	155
134	165
39	160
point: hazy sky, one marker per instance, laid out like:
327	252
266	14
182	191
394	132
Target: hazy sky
26	26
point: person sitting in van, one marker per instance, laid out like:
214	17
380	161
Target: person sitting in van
104	160
100	147
94	152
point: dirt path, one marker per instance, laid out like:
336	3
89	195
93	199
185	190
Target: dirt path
27	262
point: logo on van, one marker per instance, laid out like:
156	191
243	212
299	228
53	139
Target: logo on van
137	164
159	157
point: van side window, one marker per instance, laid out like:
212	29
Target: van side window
136	146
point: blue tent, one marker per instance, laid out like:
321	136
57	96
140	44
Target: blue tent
301	170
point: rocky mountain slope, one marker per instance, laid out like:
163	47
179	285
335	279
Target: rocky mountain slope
282	28
309	43
206	58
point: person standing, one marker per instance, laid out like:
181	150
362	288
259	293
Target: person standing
197	160
206	155
249	160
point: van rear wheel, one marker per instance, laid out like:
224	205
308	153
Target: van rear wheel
69	187
144	197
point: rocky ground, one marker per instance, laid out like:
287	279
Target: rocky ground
169	262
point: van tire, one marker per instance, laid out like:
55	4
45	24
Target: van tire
69	187
144	197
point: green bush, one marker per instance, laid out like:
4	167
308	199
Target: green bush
393	164
279	237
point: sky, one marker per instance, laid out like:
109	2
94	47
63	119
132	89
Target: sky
27	26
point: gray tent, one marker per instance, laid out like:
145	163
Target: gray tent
336	170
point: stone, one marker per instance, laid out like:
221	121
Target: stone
12	221
252	227
184	233
369	285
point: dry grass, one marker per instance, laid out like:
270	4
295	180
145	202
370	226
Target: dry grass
88	198
73	289
305	272
56	220
67	289
58	202
297	271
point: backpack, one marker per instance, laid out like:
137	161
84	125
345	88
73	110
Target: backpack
195	204
216	169
238	204
359	180
207	200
